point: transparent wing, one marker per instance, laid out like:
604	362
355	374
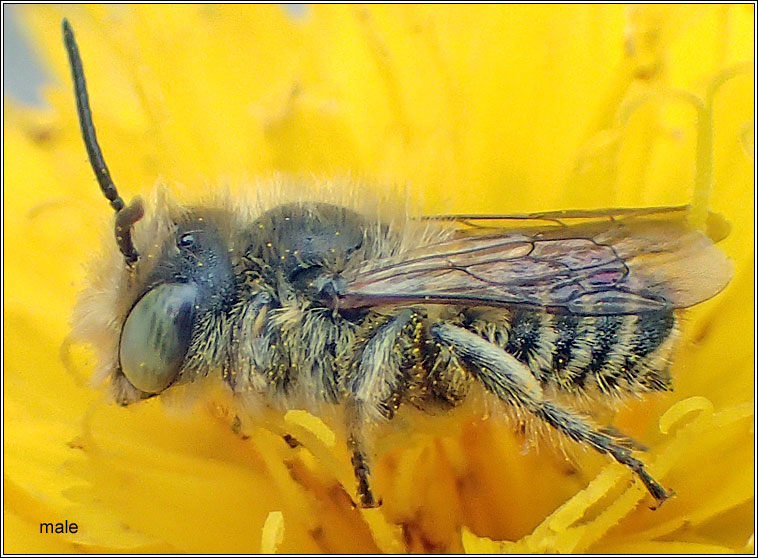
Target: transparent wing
589	263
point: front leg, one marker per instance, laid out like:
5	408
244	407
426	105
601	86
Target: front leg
511	381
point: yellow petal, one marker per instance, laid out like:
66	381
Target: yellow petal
480	109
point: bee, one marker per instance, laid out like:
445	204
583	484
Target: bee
334	304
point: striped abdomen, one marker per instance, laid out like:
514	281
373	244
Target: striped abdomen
611	354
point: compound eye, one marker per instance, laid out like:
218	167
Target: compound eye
156	336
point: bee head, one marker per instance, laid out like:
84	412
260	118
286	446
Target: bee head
191	282
189	279
307	242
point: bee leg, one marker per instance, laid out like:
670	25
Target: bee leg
510	380
361	470
291	441
622	439
376	382
288	438
574	427
236	427
358	454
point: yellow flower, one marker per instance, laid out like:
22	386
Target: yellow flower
482	109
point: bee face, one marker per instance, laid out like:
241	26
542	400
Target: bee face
192	279
319	303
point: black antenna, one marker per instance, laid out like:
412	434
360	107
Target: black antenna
125	217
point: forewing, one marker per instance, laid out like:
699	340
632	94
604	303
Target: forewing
625	262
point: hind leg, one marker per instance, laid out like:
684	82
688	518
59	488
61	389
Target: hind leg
512	382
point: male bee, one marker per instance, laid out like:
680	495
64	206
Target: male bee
331	304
